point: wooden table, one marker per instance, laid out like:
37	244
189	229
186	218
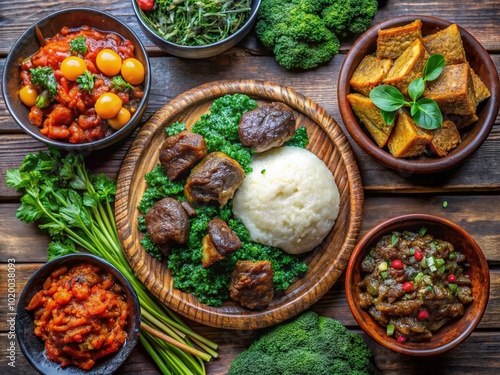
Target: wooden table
472	190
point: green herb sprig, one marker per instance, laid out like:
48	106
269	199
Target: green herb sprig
86	81
64	198
78	45
118	83
45	80
424	111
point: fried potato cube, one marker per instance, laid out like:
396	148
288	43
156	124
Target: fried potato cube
453	90
407	139
369	73
444	139
371	117
391	43
446	42
407	67
461	121
480	89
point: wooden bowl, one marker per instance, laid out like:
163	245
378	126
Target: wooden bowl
33	347
326	262
28	44
473	137
454	332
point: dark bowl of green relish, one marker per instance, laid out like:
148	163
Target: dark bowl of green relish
417	284
209	29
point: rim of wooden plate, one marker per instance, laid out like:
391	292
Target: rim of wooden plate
326	262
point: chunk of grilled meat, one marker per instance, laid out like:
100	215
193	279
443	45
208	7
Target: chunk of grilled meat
181	152
252	283
267	126
167	223
214	179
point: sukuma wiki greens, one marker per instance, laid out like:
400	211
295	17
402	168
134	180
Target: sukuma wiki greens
424	111
64	198
196	22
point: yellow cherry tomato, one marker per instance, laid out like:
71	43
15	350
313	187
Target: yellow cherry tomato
108	105
133	71
109	62
28	95
72	67
120	119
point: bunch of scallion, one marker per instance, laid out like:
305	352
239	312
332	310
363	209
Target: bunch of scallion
197	22
65	198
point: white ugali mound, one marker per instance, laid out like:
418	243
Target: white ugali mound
289	200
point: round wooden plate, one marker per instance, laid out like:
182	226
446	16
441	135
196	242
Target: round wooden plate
326	262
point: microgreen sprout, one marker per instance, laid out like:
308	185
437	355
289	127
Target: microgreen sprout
424	111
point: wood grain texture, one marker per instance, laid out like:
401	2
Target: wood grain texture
326	263
462	360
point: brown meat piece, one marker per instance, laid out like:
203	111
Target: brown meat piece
167	222
223	237
267	126
214	179
209	254
189	209
252	283
181	152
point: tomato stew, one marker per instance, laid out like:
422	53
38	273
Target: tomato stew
65	78
80	314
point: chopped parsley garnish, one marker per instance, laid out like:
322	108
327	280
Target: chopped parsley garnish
78	45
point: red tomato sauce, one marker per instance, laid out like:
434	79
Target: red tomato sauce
71	116
80	314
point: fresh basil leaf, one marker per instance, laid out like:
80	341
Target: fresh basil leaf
387	98
414	109
428	115
416	88
433	67
388	116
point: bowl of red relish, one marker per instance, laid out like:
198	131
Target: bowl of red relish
417	284
77	314
78	79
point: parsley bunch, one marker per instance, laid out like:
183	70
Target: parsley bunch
63	197
424	111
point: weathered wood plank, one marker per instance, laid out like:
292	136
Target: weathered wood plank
479	215
21	16
478	173
333	304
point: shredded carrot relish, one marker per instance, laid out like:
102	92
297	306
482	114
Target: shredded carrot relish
80	314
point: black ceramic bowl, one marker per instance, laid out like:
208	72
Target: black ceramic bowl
27	44
33	346
198	52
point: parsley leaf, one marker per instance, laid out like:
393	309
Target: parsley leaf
43	78
86	81
118	83
78	45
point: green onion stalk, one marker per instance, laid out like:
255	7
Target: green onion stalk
64	197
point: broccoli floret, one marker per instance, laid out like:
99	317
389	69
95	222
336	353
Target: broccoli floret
349	17
295	53
307	345
299	31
